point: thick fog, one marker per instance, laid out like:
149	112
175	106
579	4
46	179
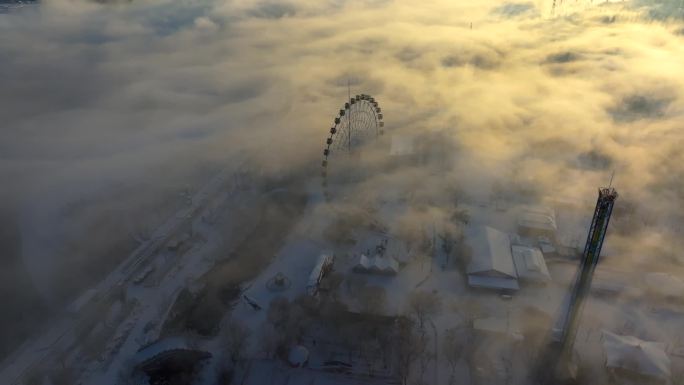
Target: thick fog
109	110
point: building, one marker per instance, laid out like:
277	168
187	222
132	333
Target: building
376	265
537	221
491	265
630	360
323	266
530	264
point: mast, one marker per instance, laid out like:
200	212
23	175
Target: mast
557	359
349	116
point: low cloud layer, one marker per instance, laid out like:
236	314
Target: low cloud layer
108	107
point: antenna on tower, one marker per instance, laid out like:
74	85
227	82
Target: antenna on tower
349	117
611	179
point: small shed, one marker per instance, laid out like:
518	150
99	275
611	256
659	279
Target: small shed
530	264
629	357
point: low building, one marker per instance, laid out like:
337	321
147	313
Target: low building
376	265
537	221
630	360
323	266
530	264
491	265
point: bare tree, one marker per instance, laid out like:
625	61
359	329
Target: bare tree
35	377
410	228
463	252
373	299
407	347
452	349
128	375
332	282
461	216
63	376
297	324
425	355
452	232
334	313
448	239
235	338
422	305
290	320
355	284
269	340
370	351
305	302
278	312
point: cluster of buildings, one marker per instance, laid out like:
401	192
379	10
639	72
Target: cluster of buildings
504	262
504	257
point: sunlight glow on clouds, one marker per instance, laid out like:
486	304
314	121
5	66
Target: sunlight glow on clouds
103	95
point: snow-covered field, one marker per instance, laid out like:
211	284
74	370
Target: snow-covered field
153	277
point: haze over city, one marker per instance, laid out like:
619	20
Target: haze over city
341	192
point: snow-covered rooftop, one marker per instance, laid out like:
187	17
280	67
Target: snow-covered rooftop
538	217
635	355
491	251
323	263
376	265
530	263
491	262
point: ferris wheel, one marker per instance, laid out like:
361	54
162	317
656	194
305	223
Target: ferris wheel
359	122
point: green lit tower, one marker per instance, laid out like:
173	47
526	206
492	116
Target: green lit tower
555	363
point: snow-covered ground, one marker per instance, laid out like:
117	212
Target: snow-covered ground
153	276
61	333
428	273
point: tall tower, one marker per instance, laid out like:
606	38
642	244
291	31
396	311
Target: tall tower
590	258
557	359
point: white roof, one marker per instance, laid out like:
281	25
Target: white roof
530	263
491	254
492	282
635	355
381	265
317	272
538	217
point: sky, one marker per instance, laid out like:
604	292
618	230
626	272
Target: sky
107	106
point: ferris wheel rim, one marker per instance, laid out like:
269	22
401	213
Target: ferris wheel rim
376	120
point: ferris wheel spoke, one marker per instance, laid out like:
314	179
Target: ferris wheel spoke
356	124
